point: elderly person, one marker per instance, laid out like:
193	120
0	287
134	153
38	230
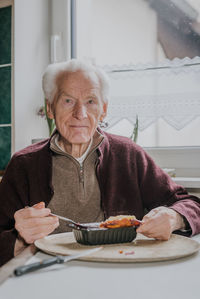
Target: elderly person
84	173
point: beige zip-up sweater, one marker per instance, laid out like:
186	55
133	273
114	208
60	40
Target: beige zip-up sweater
76	189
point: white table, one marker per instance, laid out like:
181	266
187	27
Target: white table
84	280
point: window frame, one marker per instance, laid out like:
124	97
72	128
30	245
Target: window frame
3	4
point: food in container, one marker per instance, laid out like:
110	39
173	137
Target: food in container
120	221
119	229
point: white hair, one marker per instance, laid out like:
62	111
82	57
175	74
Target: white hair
89	70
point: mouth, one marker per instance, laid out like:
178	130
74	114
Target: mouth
78	126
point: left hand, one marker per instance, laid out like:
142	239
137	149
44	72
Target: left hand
160	222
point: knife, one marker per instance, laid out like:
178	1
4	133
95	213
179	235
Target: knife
59	259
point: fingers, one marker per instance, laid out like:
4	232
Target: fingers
33	234
30	212
34	222
39	205
154	233
157	224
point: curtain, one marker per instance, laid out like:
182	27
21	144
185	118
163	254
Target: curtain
169	90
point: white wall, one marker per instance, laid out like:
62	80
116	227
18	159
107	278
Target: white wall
31	56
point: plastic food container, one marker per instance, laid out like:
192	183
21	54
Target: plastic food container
98	236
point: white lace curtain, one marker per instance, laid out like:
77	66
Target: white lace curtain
170	91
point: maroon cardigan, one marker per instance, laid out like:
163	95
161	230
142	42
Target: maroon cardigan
129	180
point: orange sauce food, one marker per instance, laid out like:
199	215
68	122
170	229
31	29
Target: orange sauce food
120	221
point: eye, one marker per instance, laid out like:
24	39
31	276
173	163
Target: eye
90	101
67	101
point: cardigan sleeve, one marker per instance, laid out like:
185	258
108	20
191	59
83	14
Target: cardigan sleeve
13	196
158	189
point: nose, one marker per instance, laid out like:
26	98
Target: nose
79	111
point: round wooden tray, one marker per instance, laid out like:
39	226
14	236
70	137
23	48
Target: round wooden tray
142	249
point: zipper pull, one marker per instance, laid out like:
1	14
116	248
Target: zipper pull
81	174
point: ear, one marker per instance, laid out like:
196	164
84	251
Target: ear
50	113
104	113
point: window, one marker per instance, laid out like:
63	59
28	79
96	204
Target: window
153	63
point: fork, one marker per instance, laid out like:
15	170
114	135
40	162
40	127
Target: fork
72	223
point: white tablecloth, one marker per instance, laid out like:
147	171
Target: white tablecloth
85	280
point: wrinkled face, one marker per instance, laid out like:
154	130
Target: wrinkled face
77	107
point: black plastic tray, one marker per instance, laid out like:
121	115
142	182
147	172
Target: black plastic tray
98	236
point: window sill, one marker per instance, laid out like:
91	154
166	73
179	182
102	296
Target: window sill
188	182
183	161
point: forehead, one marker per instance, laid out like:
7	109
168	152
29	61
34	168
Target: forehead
77	82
